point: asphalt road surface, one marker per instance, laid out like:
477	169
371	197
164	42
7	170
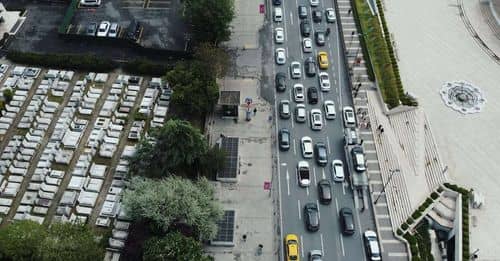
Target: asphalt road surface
329	238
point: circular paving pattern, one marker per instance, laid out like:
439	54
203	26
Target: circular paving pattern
462	97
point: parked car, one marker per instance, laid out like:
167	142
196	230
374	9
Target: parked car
316	16
292	247
307	147
91	29
278	14
113	30
324	81
311	217
315	255
300	113
321	154
323	60
276	2
103	29
372	246
305	28
351	136
349	118
307	45
330	15
310	67
347	221
284	139
325	191
90	3
302	12
279	35
298	92
358	158
316	119
338	170
295	70
280	56
320	38
329	107
312	95
314	3
134	30
280	81
284	109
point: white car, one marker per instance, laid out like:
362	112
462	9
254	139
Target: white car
330	15
329	107
314	2
349	118
316	119
307	147
300	113
324	81
298	92
338	170
303	173
295	70
103	29
280	56
90	3
278	14
372	246
113	30
279	35
307	45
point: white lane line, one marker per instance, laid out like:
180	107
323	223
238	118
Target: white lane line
291	18
301	54
319	211
322	244
288	181
322	97
328	145
307	191
290	94
294	147
342	244
323	174
343	186
314	175
298	208
359	221
301	246
291	118
337	207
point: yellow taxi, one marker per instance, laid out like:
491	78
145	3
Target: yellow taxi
323	60
292	247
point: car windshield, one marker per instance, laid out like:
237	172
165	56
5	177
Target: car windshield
330	108
349	114
322	152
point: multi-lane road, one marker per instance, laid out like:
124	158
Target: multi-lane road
328	238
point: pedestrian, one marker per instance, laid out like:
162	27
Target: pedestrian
270	118
244	237
254	111
349	11
381	130
361	143
379	127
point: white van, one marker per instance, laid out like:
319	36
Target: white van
278	14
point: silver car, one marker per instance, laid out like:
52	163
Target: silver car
300	113
295	70
280	56
279	35
298	92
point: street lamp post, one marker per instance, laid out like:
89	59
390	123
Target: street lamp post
383	188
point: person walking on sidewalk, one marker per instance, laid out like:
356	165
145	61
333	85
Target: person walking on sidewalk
254	111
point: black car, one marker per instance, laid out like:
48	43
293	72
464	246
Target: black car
91	29
312	95
284	139
317	15
347	221
302	12
325	191
311	217
320	38
280	82
305	28
277	2
310	67
134	30
321	154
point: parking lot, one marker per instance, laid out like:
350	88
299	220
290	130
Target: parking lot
163	29
65	141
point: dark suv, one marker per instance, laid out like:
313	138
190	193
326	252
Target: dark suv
347	221
325	191
312	95
320	38
310	67
321	154
305	28
302	12
280	82
317	15
311	217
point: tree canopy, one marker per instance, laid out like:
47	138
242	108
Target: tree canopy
172	201
215	59
173	247
195	91
210	19
28	240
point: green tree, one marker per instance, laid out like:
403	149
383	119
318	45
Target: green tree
215	59
195	90
173	247
176	147
210	19
21	240
212	161
174	201
8	94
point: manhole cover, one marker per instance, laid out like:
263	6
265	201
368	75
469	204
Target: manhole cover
462	97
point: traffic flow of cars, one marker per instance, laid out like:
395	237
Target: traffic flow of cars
312	103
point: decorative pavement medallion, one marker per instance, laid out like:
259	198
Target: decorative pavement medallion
463	97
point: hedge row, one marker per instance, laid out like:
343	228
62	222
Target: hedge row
70	12
465	218
364	47
145	67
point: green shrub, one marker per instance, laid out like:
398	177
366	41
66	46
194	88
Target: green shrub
146	67
70	12
399	232
404	226
428	202
410	221
416	214
440	189
434	195
8	94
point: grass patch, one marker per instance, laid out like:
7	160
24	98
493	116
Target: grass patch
57	99
22	132
102	160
